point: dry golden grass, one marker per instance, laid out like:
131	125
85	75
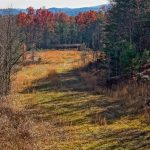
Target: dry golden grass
132	91
52	62
69	116
15	127
134	95
89	80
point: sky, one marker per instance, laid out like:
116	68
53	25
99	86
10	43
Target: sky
50	3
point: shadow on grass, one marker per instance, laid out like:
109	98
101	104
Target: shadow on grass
80	106
69	81
132	139
79	95
76	109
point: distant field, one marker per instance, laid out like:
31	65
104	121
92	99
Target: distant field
63	115
51	61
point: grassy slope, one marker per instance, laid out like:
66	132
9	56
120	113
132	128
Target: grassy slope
72	117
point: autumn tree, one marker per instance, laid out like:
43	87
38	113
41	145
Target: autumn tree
91	28
46	29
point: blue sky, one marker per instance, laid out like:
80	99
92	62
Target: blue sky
50	3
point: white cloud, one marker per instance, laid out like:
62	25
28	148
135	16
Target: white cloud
50	3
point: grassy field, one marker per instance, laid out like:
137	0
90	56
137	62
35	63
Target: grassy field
64	115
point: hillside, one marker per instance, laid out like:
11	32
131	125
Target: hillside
69	11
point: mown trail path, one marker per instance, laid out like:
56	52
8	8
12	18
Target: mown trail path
70	117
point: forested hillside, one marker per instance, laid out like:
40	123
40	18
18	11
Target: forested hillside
68	11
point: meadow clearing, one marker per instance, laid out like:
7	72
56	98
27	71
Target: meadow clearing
54	110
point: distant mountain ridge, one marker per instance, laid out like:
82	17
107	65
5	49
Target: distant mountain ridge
69	11
75	11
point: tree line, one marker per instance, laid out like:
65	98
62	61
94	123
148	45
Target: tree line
45	29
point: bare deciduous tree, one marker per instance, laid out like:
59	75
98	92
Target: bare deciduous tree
9	50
